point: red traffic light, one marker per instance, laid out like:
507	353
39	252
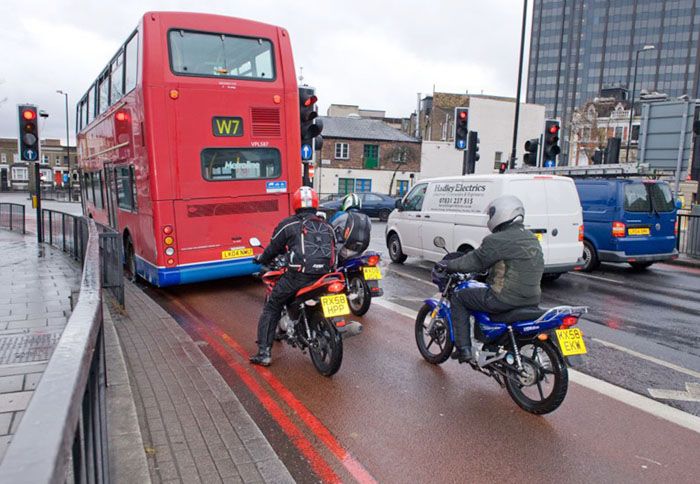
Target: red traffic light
121	116
462	115
311	100
554	129
29	114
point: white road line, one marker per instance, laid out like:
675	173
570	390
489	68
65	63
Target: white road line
640	402
606	279
409	276
649	358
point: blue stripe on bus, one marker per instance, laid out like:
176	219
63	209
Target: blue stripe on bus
206	271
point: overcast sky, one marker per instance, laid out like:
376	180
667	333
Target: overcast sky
375	53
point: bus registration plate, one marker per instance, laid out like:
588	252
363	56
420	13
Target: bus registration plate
371	273
237	253
336	305
571	342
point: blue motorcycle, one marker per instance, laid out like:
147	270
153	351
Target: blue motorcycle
362	276
516	348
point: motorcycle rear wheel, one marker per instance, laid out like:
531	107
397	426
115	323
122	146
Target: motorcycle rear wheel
327	350
359	305
438	338
545	370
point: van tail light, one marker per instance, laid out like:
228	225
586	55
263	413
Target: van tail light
373	260
580	233
618	229
568	321
336	287
675	228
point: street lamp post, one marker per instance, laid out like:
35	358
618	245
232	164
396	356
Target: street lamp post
634	84
511	164
70	174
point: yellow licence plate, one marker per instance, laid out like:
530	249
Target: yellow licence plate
237	253
539	236
638	231
336	305
371	273
571	341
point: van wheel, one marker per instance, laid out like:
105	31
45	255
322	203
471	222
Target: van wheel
384	215
395	252
640	266
590	257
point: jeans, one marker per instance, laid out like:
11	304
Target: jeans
282	294
475	299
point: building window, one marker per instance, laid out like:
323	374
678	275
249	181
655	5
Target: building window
400	155
342	151
371	156
363	185
401	187
45	159
15	157
618	132
20	173
346	185
498	156
635	132
3	158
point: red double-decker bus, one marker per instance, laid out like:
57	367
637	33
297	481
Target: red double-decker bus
189	144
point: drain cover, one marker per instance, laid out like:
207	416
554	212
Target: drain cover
25	348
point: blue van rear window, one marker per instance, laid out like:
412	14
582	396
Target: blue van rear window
640	197
661	197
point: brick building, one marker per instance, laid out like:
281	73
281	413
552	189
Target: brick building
14	174
365	155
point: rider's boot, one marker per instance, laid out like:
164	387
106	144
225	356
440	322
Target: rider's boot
263	357
462	354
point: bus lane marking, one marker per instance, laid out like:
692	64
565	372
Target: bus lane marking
349	462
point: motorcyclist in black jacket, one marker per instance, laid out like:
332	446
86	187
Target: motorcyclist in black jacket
307	261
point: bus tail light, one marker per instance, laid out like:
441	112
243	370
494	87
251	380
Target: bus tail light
174	94
169	251
169	240
580	233
168	229
618	229
171	261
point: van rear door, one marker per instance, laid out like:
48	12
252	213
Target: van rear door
563	221
649	217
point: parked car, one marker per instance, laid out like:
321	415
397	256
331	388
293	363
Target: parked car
373	205
453	208
627	220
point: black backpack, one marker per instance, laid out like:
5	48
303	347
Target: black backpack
317	245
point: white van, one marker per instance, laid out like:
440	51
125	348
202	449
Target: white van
453	208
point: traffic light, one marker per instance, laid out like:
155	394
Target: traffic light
461	127
612	151
472	151
28	133
310	126
531	148
550	148
503	167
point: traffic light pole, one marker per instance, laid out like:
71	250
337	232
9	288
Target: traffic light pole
520	82
37	179
465	162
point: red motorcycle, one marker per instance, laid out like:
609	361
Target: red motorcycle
315	319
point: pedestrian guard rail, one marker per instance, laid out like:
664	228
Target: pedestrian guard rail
12	217
62	436
688	234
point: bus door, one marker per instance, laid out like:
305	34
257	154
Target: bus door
111	186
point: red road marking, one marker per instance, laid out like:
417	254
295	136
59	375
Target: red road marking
318	464
353	466
321	431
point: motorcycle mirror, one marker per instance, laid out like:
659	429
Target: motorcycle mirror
439	242
255	242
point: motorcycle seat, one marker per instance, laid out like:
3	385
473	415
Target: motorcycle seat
528	313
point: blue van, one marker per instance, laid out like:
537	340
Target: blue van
627	220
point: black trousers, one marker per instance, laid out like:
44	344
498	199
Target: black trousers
467	300
282	293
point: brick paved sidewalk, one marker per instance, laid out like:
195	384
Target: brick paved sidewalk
35	288
193	427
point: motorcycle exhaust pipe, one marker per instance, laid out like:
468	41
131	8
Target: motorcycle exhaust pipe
351	328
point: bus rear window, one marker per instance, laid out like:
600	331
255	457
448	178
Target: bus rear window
226	164
220	55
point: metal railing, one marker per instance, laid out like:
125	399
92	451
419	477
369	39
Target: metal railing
69	233
12	217
688	239
62	436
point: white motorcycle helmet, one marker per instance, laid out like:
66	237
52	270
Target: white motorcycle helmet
351	200
504	210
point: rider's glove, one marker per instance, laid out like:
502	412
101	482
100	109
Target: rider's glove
441	267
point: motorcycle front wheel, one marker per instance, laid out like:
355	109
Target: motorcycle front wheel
359	297
434	343
545	381
326	348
